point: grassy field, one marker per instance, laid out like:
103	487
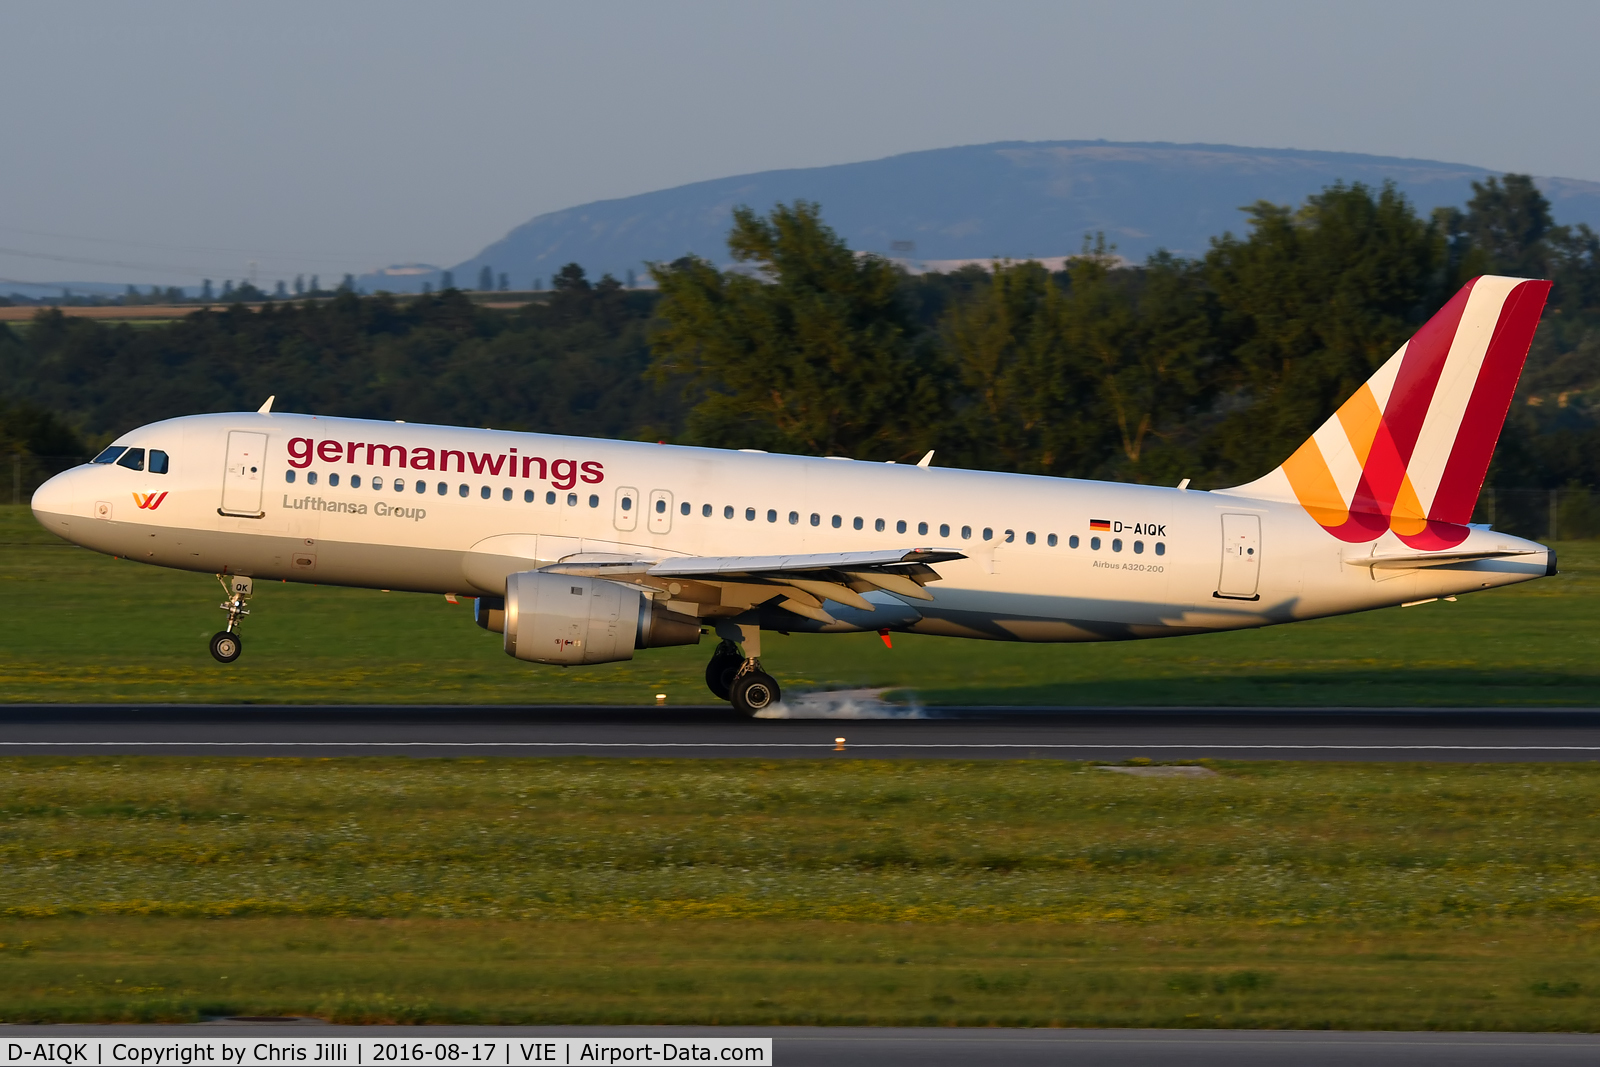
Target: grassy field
1269	895
77	626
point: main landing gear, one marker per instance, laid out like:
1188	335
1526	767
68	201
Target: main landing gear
738	678
225	644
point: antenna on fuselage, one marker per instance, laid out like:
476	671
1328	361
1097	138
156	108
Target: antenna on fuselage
266	409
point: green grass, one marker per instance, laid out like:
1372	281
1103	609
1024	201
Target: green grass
77	626
1027	893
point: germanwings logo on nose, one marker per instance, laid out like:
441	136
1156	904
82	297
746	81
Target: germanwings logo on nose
149	501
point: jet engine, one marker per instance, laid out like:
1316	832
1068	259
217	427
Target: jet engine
557	618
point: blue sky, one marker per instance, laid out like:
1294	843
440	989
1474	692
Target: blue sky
188	139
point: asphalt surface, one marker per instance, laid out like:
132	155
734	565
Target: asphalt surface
1110	734
884	1047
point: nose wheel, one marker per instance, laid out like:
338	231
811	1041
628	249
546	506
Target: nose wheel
225	646
225	643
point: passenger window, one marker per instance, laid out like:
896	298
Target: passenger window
683	508
1116	544
333	479
311	479
1138	548
288	475
443	489
661	507
1032	538
110	455
505	494
158	461
988	533
837	522
1011	535
878	526
1161	548
794	518
705	510
966	533
133	459
627	503
464	490
772	515
527	496
594	500
550	498
922	527
483	492
355	481
422	486
749	514
857	522
727	512
944	529
1073	542
816	520
1094	543
900	527
572	500
1051	540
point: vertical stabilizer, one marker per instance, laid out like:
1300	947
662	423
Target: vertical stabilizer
1409	451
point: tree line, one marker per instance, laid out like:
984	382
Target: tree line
1212	368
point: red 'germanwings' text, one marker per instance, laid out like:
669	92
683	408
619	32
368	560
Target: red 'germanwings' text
561	473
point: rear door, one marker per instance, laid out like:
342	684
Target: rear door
1241	557
244	477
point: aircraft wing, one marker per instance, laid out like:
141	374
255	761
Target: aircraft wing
802	581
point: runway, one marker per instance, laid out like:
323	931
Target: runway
1108	734
796	1046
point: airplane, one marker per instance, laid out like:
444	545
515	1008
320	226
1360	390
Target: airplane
581	551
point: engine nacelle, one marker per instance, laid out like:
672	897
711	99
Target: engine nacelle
557	618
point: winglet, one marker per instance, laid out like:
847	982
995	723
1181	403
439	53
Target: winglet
266	409
925	460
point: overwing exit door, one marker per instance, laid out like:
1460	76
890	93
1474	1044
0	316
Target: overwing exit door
1241	557
244	476
660	511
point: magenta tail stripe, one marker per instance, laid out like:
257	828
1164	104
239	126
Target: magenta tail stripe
1485	415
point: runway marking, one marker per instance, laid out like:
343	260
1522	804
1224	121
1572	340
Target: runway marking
781	744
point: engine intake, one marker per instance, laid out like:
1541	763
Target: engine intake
556	618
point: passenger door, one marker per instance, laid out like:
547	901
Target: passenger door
243	478
1241	557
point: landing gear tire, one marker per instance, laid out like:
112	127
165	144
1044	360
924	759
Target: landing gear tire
225	646
720	672
754	692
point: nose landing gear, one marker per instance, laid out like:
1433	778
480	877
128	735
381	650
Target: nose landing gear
225	644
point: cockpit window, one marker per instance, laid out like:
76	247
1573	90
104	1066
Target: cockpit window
133	459
158	461
110	455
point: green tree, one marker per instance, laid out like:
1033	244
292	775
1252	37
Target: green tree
1312	302
803	347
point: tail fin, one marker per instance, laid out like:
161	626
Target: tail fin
1409	451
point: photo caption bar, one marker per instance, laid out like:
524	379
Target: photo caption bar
367	1052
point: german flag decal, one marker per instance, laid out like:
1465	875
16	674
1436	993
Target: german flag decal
1100	524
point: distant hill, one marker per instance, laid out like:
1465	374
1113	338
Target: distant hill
1009	199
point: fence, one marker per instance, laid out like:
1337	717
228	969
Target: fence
1541	514
30	472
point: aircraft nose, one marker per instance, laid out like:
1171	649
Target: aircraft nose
56	498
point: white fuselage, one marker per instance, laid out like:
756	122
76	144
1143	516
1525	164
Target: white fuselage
1048	559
